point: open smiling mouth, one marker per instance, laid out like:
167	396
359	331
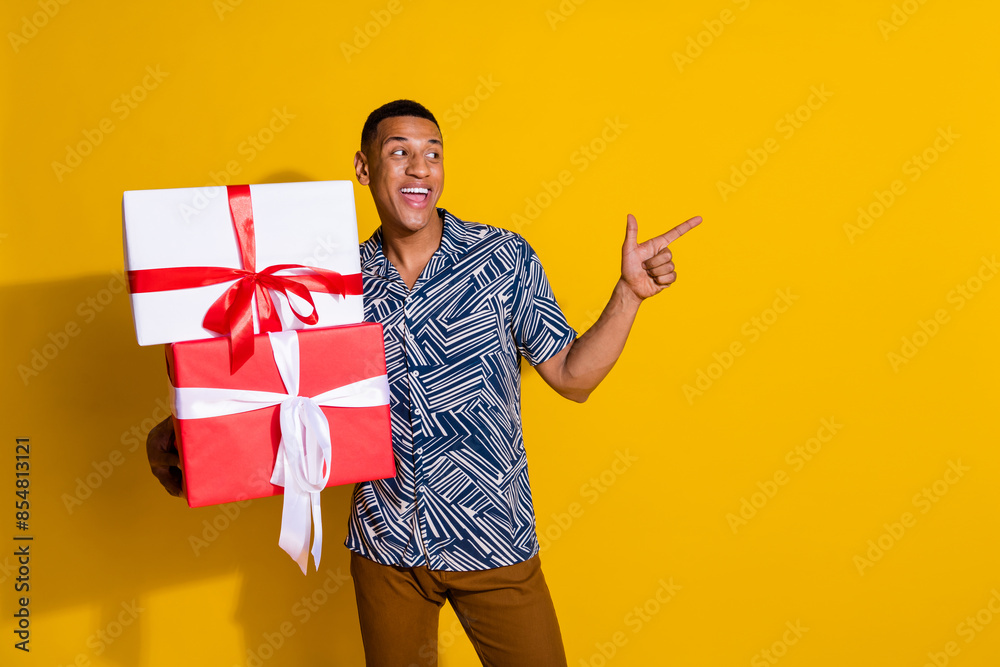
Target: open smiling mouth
416	195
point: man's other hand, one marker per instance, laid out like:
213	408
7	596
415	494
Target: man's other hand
648	267
161	449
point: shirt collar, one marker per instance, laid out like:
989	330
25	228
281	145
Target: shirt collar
456	237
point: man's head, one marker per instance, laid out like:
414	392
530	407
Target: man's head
402	162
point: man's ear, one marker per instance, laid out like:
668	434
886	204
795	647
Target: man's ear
361	168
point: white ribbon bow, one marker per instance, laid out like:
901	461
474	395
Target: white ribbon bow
303	461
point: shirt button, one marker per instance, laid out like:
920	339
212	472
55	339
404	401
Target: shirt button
420	450
416	374
410	337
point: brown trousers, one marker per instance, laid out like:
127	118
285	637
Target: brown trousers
507	614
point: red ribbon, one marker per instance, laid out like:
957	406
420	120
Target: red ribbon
231	313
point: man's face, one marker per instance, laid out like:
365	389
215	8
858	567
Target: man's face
404	167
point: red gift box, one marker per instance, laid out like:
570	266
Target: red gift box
231	457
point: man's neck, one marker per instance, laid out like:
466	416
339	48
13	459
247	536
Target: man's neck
410	251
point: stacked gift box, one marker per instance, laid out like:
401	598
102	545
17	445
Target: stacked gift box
277	384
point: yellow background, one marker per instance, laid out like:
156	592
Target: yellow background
554	84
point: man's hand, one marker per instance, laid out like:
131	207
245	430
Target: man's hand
648	267
161	449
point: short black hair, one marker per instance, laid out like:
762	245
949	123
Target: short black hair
391	110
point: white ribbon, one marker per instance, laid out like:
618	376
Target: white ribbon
302	465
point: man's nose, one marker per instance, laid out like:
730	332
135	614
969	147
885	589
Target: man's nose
417	166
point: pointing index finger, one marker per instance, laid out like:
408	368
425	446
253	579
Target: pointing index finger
681	229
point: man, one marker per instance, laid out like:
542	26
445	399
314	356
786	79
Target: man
460	304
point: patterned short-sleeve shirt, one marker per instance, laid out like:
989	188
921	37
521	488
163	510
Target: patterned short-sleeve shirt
460	499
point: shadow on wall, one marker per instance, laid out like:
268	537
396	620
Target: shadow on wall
287	176
107	535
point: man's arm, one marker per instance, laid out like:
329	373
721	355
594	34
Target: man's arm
647	269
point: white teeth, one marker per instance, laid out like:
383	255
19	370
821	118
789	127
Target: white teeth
419	191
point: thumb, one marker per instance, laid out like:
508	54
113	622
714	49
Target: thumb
631	233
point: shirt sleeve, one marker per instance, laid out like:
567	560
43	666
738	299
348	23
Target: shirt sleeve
539	326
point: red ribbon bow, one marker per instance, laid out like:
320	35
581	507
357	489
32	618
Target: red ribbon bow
232	313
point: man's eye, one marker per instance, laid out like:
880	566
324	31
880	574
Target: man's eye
398	151
433	155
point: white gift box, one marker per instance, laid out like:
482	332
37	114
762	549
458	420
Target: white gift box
310	224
